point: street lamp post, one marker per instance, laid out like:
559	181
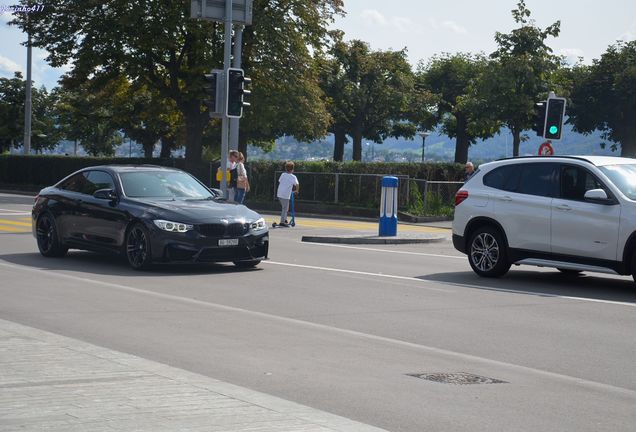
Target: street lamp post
27	100
423	135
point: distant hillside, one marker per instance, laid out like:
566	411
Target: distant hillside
438	147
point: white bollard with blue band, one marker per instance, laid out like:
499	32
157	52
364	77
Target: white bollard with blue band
389	207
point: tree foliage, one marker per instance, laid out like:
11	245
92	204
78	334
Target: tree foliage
87	114
158	45
459	109
520	73
367	93
604	97
44	130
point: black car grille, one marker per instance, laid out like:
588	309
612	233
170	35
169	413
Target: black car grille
224	230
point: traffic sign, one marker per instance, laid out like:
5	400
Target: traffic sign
214	10
546	149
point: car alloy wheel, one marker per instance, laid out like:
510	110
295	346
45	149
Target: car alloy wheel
138	247
484	252
488	255
46	236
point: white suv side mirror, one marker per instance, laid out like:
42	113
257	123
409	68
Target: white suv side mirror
596	195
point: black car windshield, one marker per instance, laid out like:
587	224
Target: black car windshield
624	177
163	184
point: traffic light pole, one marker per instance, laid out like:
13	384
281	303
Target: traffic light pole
236	63
227	51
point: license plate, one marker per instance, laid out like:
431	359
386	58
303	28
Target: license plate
228	242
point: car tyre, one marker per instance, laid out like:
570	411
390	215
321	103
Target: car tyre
633	265
247	264
487	252
47	237
138	252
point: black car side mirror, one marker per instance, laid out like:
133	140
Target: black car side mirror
107	194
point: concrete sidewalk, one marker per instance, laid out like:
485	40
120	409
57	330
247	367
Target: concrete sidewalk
53	383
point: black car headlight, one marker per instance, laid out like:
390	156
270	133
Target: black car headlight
258	225
172	226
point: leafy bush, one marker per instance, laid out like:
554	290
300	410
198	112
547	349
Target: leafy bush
45	170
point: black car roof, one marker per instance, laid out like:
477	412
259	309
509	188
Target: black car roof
126	168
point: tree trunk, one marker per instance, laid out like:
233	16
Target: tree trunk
339	143
628	143
166	147
148	149
194	124
516	141
461	141
357	142
242	144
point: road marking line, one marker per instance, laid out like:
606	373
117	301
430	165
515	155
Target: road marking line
383	250
456	284
352	333
12	229
15	212
11	222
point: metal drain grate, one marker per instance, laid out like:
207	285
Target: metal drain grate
460	378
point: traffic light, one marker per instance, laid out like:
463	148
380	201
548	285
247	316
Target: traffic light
555	110
236	92
213	95
539	118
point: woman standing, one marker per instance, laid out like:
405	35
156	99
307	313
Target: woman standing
242	184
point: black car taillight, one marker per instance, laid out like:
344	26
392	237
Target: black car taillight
460	197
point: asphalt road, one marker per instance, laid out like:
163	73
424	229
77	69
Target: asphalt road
340	328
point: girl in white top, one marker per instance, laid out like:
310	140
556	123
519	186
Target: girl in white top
242	185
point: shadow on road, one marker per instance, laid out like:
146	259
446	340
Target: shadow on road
592	286
112	265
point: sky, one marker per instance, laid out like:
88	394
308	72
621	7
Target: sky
423	27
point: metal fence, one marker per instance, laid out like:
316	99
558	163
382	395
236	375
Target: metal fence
437	197
363	190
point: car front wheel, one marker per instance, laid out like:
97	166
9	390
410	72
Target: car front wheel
487	252
138	251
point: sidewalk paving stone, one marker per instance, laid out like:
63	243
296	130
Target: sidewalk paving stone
53	383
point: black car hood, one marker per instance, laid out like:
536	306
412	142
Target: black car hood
199	211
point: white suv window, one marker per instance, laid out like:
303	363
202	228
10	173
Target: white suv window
503	178
539	179
575	181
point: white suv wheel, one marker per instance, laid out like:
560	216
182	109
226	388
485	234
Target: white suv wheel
487	253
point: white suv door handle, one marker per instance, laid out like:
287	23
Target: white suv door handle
505	198
564	207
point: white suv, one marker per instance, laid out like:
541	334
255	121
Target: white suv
574	213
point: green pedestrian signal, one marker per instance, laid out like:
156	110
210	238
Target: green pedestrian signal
554	130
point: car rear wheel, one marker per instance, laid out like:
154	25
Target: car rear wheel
47	238
138	251
247	264
487	252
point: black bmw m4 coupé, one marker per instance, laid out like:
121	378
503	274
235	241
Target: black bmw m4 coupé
147	214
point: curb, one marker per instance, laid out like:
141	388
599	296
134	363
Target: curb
370	240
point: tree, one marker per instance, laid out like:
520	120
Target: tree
604	97
44	129
159	45
367	93
459	110
11	112
520	73
146	117
86	114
